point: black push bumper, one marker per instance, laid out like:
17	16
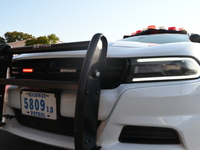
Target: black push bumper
88	88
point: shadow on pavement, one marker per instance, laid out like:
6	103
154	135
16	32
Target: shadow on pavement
9	141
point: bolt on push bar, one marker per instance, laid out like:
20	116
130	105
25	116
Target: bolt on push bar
88	88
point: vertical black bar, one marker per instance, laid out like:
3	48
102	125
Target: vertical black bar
87	103
5	61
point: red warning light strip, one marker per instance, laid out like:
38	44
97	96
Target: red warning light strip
27	70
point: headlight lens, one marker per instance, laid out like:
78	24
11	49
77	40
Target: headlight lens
169	68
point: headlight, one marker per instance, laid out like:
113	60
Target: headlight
169	68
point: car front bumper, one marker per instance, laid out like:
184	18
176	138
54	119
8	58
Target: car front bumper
174	105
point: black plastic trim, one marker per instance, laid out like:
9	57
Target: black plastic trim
149	135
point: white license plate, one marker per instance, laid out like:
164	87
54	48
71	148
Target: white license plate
39	104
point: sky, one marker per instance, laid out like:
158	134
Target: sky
79	20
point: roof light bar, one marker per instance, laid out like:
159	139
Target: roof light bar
159	28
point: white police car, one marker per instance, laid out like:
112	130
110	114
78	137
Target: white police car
149	94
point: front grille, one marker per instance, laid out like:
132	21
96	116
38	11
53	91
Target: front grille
63	125
68	69
148	135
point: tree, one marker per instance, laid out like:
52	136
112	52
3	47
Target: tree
16	36
31	42
42	40
2	40
50	39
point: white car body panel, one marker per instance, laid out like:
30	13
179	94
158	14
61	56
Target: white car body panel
172	104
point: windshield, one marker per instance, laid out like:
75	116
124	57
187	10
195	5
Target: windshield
159	38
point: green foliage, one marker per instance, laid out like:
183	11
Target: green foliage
16	36
30	40
2	40
50	39
42	40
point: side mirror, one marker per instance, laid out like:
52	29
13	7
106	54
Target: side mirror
195	38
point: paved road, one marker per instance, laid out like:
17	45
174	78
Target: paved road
11	142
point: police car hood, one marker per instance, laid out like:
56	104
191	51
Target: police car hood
130	44
150	50
121	49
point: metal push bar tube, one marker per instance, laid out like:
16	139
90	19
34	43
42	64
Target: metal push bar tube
88	94
89	86
5	61
40	84
49	48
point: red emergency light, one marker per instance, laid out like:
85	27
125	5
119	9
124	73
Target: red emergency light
172	28
138	31
180	29
151	27
27	70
